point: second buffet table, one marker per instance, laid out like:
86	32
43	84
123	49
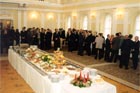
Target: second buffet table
40	83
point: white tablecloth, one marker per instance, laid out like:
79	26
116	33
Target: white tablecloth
41	84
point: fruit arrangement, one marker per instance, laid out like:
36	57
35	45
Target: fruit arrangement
46	58
59	58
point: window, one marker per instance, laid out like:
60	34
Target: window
108	24
69	22
137	26
85	23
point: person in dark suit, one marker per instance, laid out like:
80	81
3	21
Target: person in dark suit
68	38
107	48
126	47
135	52
23	35
56	39
17	36
71	37
42	39
35	36
81	43
48	38
29	36
88	42
11	34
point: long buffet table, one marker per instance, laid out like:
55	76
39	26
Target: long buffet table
40	83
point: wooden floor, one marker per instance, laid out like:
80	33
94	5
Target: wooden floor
12	82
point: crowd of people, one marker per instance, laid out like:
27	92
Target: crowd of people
112	49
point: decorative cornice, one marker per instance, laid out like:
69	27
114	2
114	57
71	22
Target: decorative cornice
31	3
85	3
71	10
60	5
28	9
104	7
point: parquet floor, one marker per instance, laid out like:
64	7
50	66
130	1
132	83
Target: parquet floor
12	82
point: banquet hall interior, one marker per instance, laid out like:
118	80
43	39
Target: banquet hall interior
48	45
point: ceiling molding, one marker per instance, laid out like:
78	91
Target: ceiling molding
70	10
45	3
104	7
85	2
30	9
31	3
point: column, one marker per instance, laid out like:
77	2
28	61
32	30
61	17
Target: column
58	20
77	22
125	23
42	20
98	22
25	18
114	23
19	20
89	22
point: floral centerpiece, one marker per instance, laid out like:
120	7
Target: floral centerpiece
82	81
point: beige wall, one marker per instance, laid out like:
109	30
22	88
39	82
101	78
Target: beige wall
123	18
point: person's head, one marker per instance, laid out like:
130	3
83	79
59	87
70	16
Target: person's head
17	30
100	34
56	30
108	36
130	36
24	28
120	34
89	32
136	38
117	34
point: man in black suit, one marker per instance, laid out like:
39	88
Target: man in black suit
107	48
42	39
56	39
81	40
11	34
23	35
126	47
17	36
135	52
88	42
48	38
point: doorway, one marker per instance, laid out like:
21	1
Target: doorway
5	24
